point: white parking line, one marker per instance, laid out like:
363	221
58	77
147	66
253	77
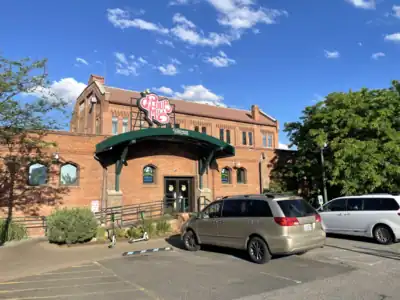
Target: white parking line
281	277
71	272
56	279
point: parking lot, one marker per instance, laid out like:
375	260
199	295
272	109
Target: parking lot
209	274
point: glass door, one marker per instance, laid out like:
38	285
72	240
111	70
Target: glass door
170	194
184	190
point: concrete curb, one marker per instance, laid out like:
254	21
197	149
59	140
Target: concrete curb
147	251
24	241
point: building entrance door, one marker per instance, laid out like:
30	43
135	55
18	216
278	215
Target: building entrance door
178	194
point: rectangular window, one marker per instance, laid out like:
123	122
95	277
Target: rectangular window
228	136
270	141
196	128
296	208
221	134
250	138
98	129
264	140
125	125
177	125
114	125
204	130
244	138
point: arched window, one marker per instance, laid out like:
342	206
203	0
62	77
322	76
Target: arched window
226	175
241	175
149	174
38	174
69	174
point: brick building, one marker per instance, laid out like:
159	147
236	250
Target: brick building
204	152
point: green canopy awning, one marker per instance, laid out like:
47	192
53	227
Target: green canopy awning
200	146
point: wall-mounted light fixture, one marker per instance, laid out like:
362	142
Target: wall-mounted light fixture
56	157
236	164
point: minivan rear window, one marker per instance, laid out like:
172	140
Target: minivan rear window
296	208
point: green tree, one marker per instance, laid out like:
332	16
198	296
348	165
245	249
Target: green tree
24	123
360	134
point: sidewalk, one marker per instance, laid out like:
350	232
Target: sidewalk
37	256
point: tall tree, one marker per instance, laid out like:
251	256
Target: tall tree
359	133
24	123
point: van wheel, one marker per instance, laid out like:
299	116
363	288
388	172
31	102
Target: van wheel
258	251
190	241
383	235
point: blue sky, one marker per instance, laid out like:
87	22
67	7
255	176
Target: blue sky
282	55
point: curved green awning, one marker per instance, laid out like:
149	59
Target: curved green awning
202	145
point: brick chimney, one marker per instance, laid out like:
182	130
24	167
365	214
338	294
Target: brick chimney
255	112
97	78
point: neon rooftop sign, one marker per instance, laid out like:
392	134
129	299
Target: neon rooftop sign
156	111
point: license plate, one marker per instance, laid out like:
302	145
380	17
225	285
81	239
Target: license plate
308	227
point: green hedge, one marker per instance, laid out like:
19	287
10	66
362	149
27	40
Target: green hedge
71	226
15	232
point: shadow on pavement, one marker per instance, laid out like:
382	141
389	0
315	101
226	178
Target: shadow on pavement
351	238
175	241
373	252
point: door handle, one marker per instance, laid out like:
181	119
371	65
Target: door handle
339	214
346	214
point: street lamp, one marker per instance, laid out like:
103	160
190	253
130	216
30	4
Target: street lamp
323	173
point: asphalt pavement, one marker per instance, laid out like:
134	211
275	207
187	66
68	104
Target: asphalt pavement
332	272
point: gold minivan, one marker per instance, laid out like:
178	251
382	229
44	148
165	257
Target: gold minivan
264	225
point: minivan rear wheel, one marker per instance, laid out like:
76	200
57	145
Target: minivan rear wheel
190	241
383	235
258	250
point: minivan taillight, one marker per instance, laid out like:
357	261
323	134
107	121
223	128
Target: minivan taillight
285	221
317	218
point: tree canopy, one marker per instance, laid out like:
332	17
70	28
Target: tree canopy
24	121
360	136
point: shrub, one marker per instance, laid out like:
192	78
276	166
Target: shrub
70	226
163	227
149	227
134	232
15	232
101	234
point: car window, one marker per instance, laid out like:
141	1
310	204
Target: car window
354	204
296	208
212	211
258	208
335	205
234	208
380	204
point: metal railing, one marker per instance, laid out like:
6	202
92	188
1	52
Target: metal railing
130	214
31	222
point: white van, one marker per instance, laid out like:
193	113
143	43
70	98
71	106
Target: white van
376	216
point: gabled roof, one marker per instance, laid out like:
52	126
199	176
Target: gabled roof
123	97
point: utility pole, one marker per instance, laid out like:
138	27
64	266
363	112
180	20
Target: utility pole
323	175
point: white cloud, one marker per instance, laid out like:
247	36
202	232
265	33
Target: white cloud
164	90
128	66
66	89
283	146
331	54
364	4
377	55
120	19
394	37
237	15
187	33
81	60
169	70
199	94
242	14
396	11
180	19
360	44
165	42
175	61
221	60
180	2
194	93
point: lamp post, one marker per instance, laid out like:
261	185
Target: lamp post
323	173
